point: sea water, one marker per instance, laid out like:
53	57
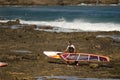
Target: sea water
69	78
75	18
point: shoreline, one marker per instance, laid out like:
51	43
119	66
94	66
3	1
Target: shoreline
23	48
60	5
46	26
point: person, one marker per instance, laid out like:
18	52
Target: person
71	49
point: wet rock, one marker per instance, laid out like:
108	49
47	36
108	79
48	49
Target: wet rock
29	27
36	64
16	22
46	27
93	65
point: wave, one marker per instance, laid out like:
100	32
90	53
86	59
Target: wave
75	24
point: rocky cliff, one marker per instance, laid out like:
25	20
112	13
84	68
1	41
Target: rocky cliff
56	2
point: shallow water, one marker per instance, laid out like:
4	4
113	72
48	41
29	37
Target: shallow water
69	78
57	29
114	37
21	51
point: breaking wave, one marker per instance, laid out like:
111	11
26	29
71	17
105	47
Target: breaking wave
75	24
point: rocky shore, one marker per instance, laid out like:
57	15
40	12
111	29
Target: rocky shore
22	48
58	2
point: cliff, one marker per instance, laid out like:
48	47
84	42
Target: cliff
56	2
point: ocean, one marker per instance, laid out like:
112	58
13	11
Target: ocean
74	18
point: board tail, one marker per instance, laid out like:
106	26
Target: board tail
53	54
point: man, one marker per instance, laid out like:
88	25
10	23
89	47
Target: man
70	48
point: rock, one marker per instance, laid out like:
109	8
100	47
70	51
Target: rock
29	27
93	65
46	27
16	22
56	2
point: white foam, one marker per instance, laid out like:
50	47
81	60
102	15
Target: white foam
76	24
4	21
